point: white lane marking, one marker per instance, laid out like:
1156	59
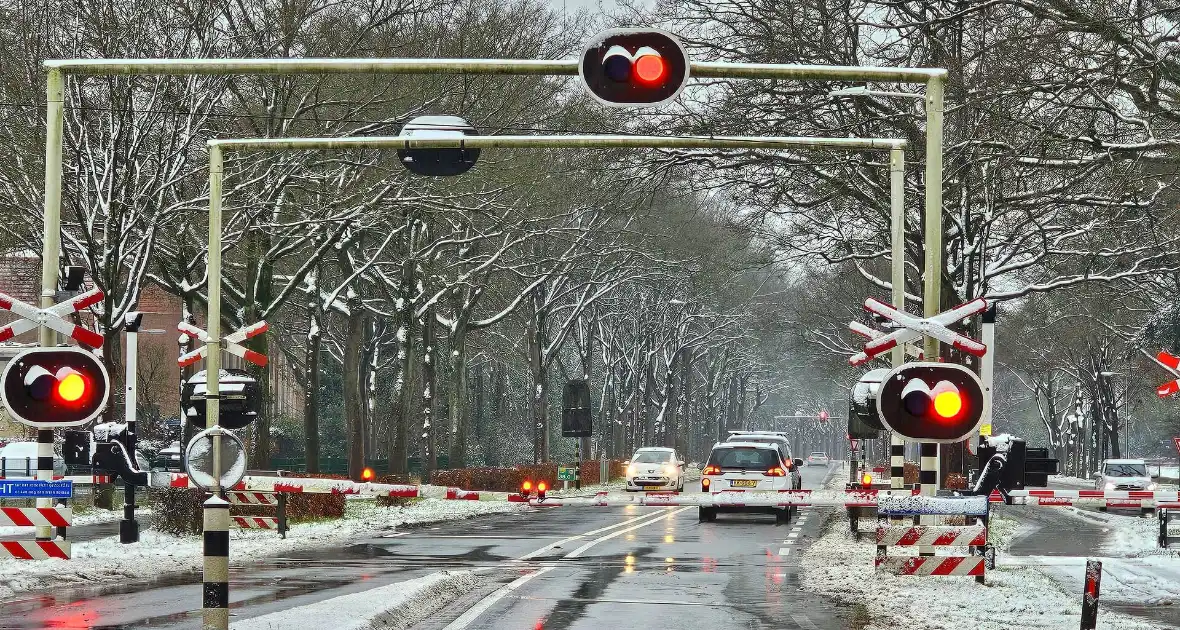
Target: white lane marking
784	551
484	604
793	535
577	552
394	535
551	546
803	622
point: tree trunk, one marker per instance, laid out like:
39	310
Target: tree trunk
477	417
353	390
429	450
684	436
457	396
399	450
311	391
539	370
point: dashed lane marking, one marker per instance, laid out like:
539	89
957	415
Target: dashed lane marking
803	622
793	535
784	551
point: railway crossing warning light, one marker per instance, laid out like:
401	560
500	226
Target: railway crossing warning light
526	489
931	402
541	488
50	388
630	67
240	395
367	474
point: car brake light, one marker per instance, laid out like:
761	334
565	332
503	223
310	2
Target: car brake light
776	472
711	470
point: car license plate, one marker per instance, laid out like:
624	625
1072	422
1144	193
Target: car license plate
743	483
652	487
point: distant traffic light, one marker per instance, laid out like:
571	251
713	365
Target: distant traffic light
55	387
931	402
634	67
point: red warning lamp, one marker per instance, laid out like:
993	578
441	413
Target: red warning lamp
367	474
866	481
71	385
541	488
650	67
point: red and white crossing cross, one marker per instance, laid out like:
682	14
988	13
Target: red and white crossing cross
912	328
232	343
873	333
1171	363
53	317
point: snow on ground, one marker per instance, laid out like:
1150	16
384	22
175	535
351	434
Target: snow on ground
1071	482
157	553
1013	597
397	605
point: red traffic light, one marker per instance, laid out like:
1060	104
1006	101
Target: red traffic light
54	387
634	67
931	402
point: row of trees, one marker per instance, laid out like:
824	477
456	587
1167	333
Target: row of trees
697	291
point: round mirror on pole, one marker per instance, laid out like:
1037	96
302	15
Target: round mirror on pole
199	459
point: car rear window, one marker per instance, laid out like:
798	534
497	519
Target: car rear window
819	454
743	458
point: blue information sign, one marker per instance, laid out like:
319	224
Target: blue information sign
34	489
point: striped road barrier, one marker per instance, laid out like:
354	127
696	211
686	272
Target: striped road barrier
35	550
273	500
932	537
36	517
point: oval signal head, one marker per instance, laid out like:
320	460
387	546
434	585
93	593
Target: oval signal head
367	474
71	385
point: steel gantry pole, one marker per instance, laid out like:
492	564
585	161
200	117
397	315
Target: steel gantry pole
932	287
897	279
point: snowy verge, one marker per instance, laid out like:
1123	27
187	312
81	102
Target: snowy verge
1014	596
156	553
389	607
92	516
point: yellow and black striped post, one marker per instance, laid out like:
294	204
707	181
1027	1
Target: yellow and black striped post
215	592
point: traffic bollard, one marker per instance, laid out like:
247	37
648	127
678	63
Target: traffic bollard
1090	595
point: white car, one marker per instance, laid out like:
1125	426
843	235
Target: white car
655	468
746	466
818	458
1124	474
782	441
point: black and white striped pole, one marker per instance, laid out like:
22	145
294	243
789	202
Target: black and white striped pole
216	459
215	578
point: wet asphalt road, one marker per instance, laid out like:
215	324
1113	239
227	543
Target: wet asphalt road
570	568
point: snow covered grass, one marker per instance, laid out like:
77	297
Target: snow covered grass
87	516
397	605
157	553
1013	597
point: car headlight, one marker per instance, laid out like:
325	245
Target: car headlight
1153	486
1109	486
630	470
668	470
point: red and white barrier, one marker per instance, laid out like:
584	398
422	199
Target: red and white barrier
36	517
725	498
931	565
456	494
299	485
35	550
255	522
933	536
1107	498
253	498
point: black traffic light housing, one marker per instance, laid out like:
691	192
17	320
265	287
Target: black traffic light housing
931	402
864	421
1023	467
438	162
241	399
576	419
51	388
632	67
